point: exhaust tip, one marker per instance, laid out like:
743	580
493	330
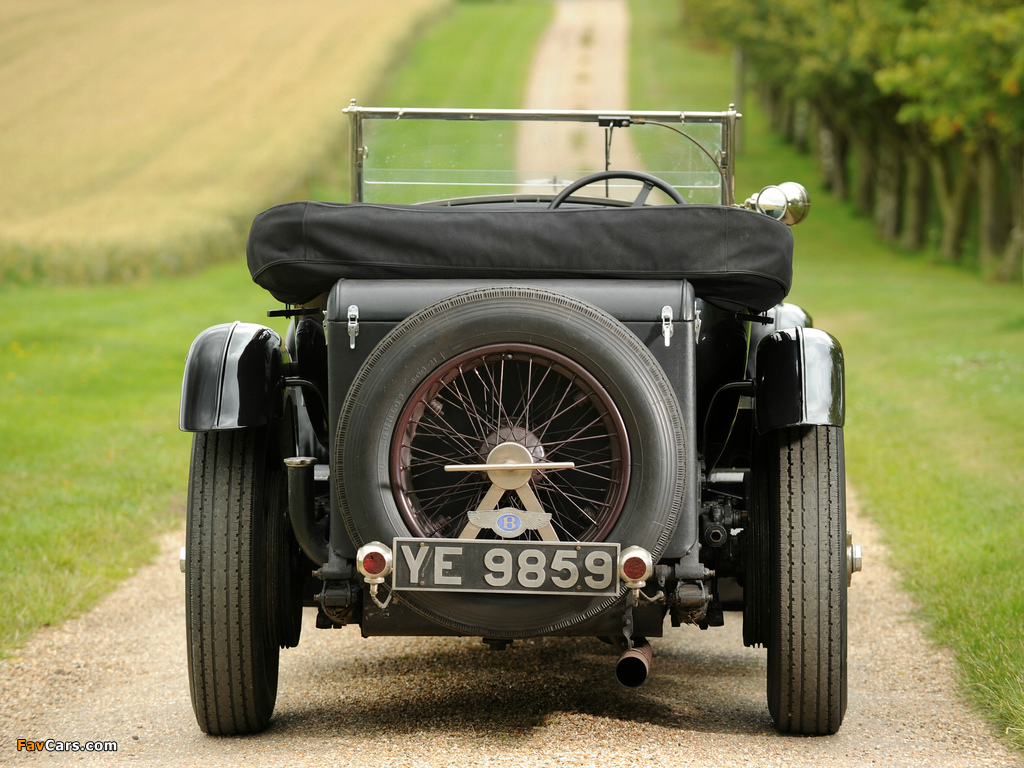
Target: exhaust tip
633	666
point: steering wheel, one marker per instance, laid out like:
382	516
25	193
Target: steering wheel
647	179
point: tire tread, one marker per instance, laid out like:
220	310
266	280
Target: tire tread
232	669
807	652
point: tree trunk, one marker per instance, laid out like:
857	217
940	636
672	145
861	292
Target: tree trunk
917	201
994	213
772	96
867	164
954	182
889	182
833	147
801	125
784	118
1013	255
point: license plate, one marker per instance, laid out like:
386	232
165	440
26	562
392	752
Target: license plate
508	567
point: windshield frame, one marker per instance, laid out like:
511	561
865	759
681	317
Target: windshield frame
617	118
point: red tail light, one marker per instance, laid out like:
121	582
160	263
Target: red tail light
374	564
634	569
635	566
373	560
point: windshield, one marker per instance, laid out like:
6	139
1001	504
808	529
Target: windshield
413	156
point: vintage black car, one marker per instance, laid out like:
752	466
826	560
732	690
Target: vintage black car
518	396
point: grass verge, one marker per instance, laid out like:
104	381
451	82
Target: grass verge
935	388
93	465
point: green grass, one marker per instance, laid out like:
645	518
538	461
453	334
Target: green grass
935	390
92	465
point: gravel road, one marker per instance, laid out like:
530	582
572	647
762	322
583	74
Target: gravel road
580	63
118	674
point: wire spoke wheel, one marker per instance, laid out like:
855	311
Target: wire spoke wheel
511	393
528	376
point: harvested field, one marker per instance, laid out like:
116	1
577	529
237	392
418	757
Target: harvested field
134	135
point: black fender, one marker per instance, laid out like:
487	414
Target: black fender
232	376
782	316
799	380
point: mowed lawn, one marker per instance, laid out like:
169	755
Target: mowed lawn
92	465
140	138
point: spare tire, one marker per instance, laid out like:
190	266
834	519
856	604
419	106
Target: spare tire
511	364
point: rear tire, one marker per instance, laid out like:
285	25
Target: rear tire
232	652
807	670
538	334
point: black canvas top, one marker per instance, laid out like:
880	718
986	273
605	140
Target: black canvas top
733	257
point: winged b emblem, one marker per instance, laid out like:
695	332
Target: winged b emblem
509	523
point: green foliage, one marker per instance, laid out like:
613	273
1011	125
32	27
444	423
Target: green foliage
808	48
959	66
769	32
898	80
935	397
954	64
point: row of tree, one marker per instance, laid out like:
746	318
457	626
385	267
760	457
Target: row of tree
922	99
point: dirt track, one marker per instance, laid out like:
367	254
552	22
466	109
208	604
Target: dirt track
580	64
118	673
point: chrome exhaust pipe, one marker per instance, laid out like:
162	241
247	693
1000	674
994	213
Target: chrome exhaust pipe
632	667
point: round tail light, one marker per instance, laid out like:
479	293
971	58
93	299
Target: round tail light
374	564
373	560
635	566
634	569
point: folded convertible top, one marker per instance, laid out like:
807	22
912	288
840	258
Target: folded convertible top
733	257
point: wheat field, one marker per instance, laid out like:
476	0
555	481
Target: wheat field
138	137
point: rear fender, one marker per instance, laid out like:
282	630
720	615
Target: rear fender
232	374
782	316
799	379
